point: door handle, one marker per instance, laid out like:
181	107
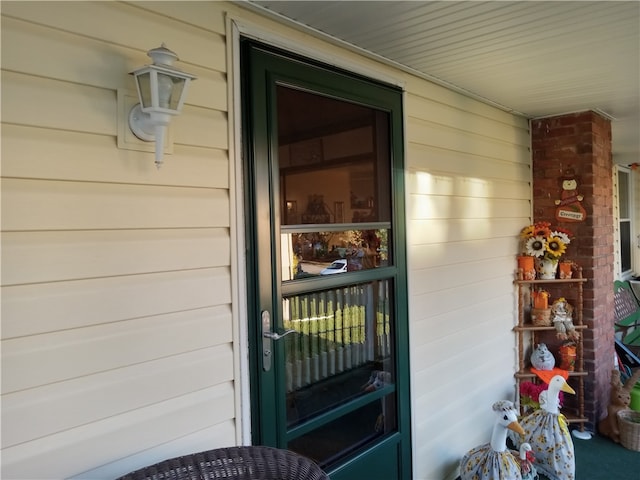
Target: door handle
267	338
277	336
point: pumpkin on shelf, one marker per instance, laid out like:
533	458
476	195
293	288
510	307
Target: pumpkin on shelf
540	311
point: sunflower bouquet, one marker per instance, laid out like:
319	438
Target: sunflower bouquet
540	241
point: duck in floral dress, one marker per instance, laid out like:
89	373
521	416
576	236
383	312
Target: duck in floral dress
547	431
525	459
493	461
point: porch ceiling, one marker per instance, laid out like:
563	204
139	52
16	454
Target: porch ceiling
533	58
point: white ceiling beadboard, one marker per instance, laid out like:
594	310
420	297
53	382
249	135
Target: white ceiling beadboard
533	58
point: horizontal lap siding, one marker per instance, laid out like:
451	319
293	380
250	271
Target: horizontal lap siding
468	195
57	205
117	323
77	401
63	155
38	257
101	442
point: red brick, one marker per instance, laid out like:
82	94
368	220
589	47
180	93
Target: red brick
582	142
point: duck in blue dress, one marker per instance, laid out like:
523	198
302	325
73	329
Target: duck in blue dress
493	461
547	432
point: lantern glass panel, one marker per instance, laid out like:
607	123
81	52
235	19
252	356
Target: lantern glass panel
165	91
144	88
178	87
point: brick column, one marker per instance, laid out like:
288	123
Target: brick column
579	145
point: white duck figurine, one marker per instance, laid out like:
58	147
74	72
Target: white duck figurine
493	461
525	459
547	431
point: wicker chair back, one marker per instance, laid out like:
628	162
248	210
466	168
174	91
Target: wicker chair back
233	463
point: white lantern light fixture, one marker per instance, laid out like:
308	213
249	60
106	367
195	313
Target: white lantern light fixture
162	89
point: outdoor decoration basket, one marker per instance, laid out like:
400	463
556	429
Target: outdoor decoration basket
629	423
541	317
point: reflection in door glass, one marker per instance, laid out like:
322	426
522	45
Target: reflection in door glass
327	253
334	160
342	347
350	432
341	353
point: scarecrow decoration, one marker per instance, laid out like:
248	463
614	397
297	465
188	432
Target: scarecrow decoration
569	208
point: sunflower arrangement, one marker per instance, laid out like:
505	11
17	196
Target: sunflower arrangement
540	241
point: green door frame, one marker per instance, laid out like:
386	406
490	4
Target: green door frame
260	66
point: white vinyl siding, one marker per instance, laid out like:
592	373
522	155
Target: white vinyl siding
117	325
119	328
469	195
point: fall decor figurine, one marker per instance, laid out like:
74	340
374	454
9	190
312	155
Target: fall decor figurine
492	461
542	358
377	380
547	432
569	207
526	458
619	399
562	317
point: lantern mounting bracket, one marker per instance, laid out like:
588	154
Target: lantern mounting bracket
141	124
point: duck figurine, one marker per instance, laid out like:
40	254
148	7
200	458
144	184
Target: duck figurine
525	459
547	432
493	461
377	380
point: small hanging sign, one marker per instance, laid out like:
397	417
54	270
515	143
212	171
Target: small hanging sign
569	208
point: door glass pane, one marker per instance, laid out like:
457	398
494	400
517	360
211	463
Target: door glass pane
333	158
341	351
330	252
334	166
625	245
624	208
350	432
340	360
623	193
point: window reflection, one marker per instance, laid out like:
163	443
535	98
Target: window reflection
331	172
342	349
348	433
332	252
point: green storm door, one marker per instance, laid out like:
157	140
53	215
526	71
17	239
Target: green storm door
326	265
